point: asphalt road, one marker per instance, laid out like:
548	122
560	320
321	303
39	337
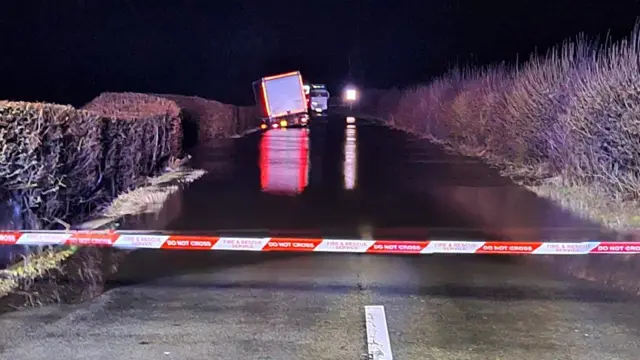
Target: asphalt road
206	305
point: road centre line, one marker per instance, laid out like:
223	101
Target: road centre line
378	343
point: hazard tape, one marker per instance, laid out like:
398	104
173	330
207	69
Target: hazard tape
141	240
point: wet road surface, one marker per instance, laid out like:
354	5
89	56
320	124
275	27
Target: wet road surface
206	305
336	179
329	180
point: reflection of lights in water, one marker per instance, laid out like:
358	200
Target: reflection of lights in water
349	169
284	161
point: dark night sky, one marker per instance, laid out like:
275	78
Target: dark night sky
68	51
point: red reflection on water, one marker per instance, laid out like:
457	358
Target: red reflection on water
284	161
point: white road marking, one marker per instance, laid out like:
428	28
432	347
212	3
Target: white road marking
378	343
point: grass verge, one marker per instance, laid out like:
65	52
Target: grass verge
591	203
31	268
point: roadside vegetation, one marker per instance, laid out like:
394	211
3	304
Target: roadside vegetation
62	167
52	275
566	124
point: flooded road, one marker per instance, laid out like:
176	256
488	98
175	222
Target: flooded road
340	180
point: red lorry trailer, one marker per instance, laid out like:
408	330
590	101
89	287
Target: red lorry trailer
281	100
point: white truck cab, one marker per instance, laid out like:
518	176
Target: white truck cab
318	99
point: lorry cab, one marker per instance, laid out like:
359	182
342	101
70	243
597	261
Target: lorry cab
318	99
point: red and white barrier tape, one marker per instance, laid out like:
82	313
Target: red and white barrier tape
134	240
